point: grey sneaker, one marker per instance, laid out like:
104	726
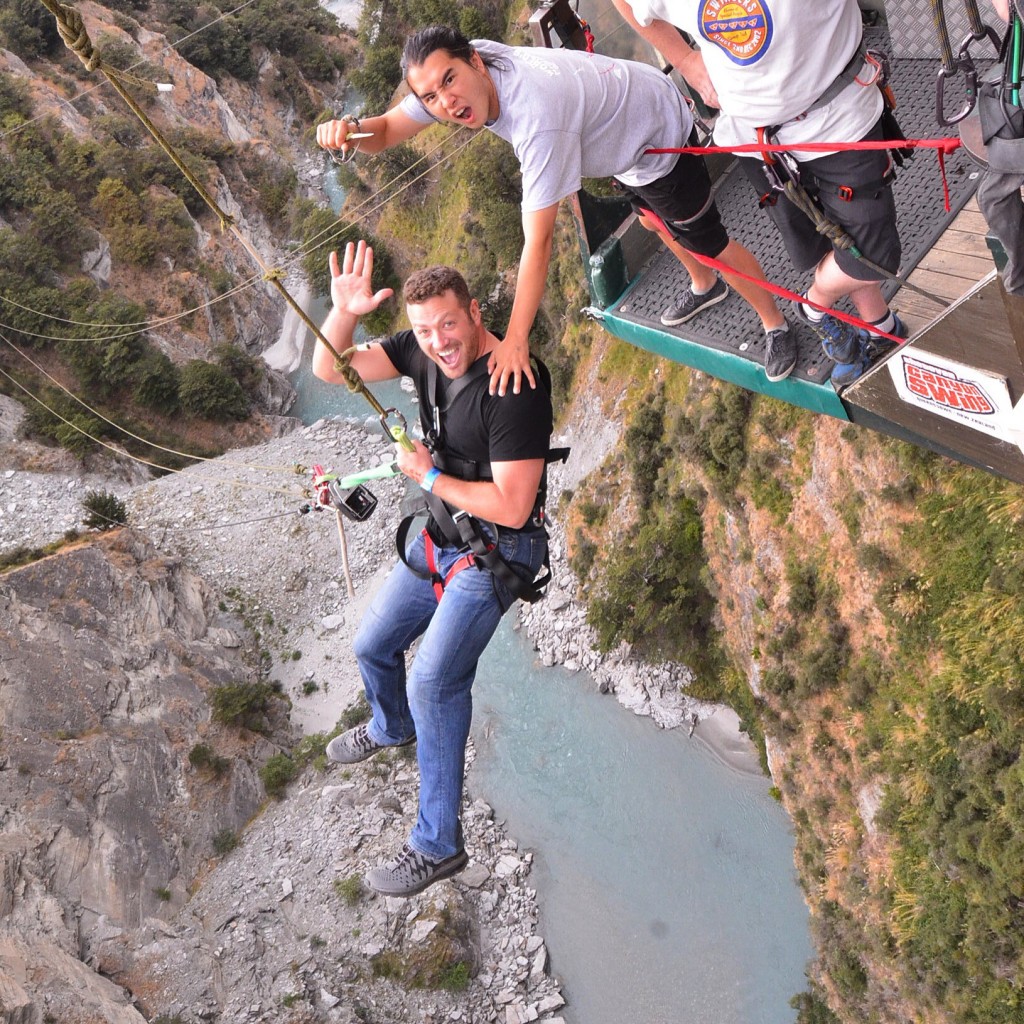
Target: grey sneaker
779	354
357	745
689	305
411	872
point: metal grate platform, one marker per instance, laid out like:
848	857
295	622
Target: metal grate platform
732	326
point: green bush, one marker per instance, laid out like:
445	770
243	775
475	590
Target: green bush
210	392
225	841
202	758
652	591
105	511
241	704
158	383
349	889
276	774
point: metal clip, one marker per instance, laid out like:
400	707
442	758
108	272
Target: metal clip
395	433
966	65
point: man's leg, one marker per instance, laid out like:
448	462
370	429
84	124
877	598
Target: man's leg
440	688
399	613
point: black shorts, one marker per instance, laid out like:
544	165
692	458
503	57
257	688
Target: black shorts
869	217
682	200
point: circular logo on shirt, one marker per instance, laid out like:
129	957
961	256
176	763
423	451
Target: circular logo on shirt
743	28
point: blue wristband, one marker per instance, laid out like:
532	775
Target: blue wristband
429	478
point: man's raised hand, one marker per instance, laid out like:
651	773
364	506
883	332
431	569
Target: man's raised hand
351	283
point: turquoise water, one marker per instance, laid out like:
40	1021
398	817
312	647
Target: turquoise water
666	879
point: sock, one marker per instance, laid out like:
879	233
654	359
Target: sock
886	324
812	314
706	290
781	329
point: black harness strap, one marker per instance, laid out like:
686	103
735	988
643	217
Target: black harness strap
456	526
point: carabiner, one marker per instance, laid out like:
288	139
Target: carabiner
398	433
966	65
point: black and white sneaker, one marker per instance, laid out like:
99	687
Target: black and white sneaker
411	872
357	745
689	304
780	354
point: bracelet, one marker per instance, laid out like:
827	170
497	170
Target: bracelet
430	478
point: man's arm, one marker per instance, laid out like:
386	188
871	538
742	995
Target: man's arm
512	357
665	38
387	130
352	296
507	500
1002	8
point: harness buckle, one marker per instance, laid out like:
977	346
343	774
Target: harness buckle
845	193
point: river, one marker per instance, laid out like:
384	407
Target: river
665	876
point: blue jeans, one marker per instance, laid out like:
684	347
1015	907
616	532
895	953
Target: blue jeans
435	701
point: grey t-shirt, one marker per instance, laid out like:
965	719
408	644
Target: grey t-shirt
571	115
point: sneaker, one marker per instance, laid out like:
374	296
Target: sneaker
689	305
411	872
357	745
779	354
847	373
843	343
802	313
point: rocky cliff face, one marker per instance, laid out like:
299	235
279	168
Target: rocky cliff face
108	653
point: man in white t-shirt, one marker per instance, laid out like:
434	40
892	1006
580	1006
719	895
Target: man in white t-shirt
794	67
571	115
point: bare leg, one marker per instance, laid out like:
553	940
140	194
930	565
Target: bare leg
762	301
735	255
831	284
701	277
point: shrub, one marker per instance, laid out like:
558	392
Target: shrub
355	714
203	758
208	391
158	383
225	841
276	774
350	889
241	704
105	511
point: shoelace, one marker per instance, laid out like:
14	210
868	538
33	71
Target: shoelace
416	862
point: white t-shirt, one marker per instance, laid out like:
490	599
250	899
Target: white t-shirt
571	115
769	60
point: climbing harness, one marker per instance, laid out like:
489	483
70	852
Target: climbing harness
450	525
962	63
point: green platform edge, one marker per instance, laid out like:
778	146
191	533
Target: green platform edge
820	398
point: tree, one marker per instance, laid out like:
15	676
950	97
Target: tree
211	392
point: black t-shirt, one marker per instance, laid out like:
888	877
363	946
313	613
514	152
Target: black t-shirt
478	426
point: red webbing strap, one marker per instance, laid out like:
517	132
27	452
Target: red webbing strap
776	290
587	35
942	148
437	582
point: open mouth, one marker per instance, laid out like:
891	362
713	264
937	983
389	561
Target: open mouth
449	356
463	114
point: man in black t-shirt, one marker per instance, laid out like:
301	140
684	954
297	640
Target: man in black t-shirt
446	355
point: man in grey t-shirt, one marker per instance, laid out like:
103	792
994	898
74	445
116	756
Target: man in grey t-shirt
570	115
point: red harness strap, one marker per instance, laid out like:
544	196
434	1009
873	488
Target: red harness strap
438	581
